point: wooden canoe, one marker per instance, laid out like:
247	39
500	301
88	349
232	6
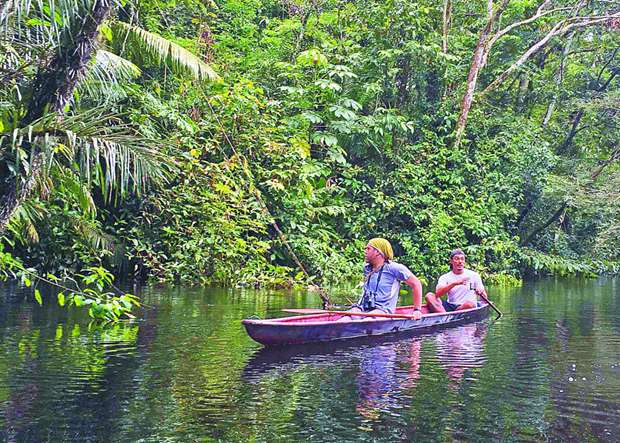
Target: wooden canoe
326	327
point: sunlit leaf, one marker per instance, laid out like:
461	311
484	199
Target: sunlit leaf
37	297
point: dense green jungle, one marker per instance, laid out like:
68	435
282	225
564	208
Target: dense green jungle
262	142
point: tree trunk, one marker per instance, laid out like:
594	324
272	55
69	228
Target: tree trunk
447	7
479	59
17	194
525	211
604	68
477	63
571	134
524	84
54	84
4	10
402	82
556	215
609	80
559	76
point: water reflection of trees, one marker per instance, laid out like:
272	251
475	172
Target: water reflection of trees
183	370
556	347
585	386
50	358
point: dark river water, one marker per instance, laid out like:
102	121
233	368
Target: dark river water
549	370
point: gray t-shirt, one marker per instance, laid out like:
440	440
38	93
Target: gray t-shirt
465	292
388	287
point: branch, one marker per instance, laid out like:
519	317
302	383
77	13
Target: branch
535	17
607	63
559	29
604	86
580	51
499	11
612	158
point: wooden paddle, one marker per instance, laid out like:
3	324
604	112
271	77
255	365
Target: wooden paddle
484	297
347	313
306	311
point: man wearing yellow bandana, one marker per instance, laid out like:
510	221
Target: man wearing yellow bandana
382	278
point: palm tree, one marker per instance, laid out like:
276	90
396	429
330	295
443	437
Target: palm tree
48	48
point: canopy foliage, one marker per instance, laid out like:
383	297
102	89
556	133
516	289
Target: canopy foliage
194	131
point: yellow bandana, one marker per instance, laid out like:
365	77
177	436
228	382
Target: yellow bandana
383	246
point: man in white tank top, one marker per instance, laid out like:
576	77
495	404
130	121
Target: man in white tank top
462	286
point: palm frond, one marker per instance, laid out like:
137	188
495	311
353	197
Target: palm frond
38	22
94	236
139	43
110	67
104	79
113	152
99	146
72	189
23	222
69	185
101	92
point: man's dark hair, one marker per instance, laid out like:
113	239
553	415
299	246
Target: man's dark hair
456	252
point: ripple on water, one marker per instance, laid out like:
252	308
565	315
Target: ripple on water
120	349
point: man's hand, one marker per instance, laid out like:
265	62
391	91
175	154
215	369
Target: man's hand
460	281
417	315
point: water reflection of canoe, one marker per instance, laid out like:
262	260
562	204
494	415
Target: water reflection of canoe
325	327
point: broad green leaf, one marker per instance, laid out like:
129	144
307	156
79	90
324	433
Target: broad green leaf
312	117
223	188
36	22
328	84
312	57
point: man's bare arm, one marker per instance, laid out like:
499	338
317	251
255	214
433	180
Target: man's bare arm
414	283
